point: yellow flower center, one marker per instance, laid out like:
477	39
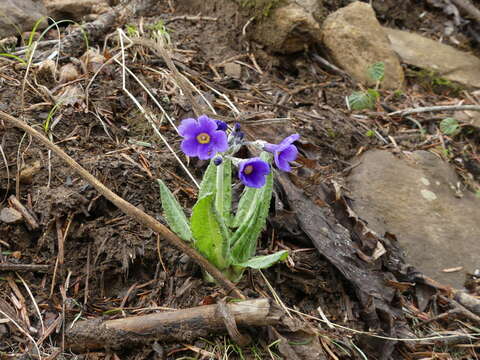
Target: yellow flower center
203	138
248	169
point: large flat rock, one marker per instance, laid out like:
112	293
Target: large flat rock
418	199
444	60
356	40
18	16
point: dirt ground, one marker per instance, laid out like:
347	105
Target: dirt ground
103	263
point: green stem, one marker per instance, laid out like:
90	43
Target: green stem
219	201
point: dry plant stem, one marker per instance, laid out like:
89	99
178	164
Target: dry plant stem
177	326
25	267
128	208
436	108
29	218
160	50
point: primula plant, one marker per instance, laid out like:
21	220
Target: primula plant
228	240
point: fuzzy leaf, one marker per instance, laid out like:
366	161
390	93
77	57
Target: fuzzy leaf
360	100
223	196
265	261
176	219
244	240
209	181
209	232
246	205
450	126
377	71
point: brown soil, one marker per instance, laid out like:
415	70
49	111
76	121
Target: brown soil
112	264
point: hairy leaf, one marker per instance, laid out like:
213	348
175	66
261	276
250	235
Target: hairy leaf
360	100
244	240
223	196
209	232
377	71
174	214
209	181
450	126
265	261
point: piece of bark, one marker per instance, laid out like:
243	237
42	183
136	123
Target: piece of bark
177	326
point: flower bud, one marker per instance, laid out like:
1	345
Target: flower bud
217	161
221	125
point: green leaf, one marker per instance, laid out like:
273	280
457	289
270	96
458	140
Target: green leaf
246	206
209	232
377	71
174	214
450	126
244	240
360	100
209	181
263	262
223	196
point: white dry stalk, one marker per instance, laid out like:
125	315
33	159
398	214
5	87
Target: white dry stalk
199	93
150	118
231	105
8	172
22	330
275	295
355	331
35	305
147	90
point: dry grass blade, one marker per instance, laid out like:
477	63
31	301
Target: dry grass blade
149	117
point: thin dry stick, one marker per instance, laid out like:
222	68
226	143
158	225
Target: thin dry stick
436	108
126	207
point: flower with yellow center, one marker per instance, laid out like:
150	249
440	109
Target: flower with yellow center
202	138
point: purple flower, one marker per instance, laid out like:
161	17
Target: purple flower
284	152
201	137
221	125
252	172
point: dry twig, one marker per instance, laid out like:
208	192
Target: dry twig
180	325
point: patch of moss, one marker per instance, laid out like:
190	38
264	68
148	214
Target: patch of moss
430	80
260	8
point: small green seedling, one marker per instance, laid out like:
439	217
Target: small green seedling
360	100
450	127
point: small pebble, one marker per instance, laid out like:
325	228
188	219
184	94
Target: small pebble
10	216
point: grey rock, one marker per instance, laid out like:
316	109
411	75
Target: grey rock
418	199
10	216
444	60
18	16
355	40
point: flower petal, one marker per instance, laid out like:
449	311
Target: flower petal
206	124
188	128
281	163
205	151
190	146
290	153
270	147
287	141
256	178
219	141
